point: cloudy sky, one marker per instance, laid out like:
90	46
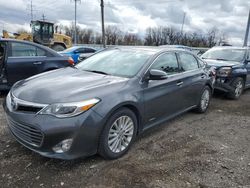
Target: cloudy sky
229	16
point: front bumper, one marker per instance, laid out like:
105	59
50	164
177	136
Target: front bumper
223	84
84	129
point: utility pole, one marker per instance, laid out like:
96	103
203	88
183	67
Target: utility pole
247	31
183	22
30	7
43	17
75	34
103	28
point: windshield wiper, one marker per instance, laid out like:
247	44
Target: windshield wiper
99	72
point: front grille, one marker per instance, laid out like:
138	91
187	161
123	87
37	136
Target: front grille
24	106
26	133
31	109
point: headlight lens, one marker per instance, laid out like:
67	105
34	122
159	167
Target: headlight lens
62	110
224	71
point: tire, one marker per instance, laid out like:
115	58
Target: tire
238	85
112	143
58	47
204	100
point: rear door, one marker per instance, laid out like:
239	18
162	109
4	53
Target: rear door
24	60
194	78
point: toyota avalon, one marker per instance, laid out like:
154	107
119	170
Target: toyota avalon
102	104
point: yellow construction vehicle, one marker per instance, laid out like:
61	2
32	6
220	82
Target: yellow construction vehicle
43	33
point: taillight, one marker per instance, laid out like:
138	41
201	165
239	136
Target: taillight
71	61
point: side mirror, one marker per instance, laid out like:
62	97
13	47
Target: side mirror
247	61
155	74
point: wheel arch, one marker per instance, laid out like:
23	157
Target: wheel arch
131	106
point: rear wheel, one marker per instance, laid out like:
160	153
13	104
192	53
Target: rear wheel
204	100
238	87
58	47
118	134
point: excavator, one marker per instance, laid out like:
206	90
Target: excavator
43	33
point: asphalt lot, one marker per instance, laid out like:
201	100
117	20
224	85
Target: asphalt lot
193	150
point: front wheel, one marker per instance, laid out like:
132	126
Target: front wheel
118	134
204	100
238	87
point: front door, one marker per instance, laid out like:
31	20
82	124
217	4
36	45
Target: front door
164	98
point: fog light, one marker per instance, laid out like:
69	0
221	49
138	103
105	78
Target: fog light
63	146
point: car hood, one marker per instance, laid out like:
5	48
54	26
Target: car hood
220	63
66	85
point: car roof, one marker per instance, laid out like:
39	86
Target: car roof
154	49
31	43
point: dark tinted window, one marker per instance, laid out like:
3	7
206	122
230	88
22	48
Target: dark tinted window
89	50
188	62
24	50
85	50
80	50
41	52
19	49
167	63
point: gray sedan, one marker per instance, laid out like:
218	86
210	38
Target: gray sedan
102	104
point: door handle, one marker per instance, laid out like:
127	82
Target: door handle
179	83
38	63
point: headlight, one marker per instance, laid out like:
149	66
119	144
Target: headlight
224	71
62	110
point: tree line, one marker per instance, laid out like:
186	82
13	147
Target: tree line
154	36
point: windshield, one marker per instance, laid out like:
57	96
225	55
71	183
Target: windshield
225	54
117	62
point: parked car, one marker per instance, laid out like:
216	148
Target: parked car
232	69
120	92
22	59
78	53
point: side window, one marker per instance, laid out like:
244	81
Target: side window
81	50
19	49
167	63
188	62
89	50
41	52
24	50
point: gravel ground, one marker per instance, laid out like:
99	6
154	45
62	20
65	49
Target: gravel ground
193	150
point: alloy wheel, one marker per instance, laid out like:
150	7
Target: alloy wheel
238	89
205	99
120	134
